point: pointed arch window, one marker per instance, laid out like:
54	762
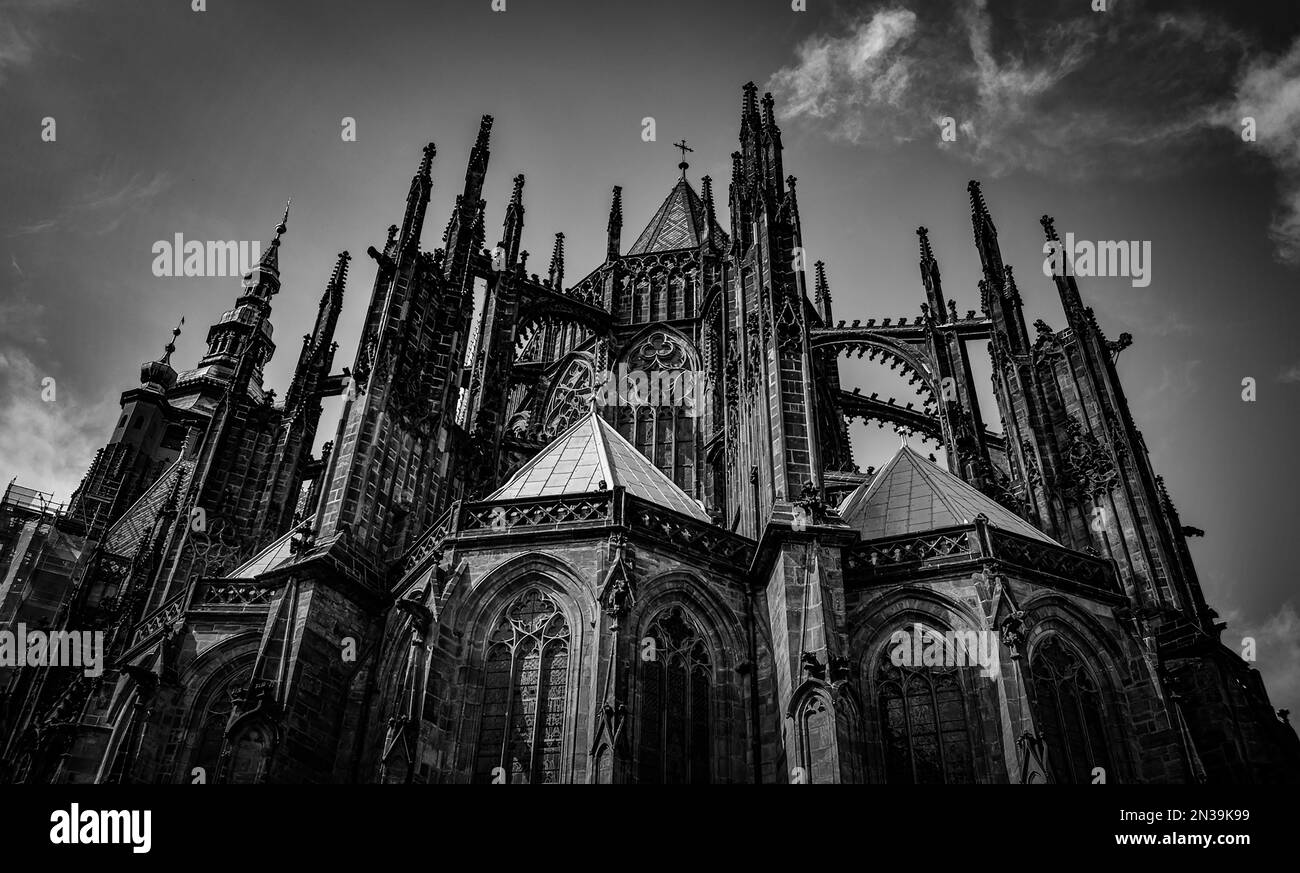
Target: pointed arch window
1068	709
640	300
525	698
675	694
206	732
816	722
571	397
925	723
212	730
664	429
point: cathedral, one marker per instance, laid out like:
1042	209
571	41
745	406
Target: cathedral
612	530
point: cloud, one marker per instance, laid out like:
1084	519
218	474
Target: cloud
20	30
46	445
837	76
35	227
103	201
1050	87
20	320
15	47
1268	91
1277	651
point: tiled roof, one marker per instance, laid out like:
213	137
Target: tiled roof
268	559
588	452
679	223
124	535
913	495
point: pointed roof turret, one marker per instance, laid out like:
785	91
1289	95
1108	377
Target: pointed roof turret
513	230
913	495
589	453
930	277
160	374
822	291
417	202
679	223
749	118
614	229
264	279
556	273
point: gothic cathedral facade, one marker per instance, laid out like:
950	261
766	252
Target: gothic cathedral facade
501	569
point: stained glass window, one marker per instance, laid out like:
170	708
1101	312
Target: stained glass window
525	697
571	397
924	723
662	428
1067	708
673	745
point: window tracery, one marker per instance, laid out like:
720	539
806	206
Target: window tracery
525	693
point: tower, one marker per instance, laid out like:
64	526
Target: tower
388	477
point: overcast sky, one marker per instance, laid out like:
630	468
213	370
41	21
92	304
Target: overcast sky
1124	125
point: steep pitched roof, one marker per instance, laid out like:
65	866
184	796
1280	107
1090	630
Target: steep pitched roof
268	558
679	223
591	450
912	495
124	535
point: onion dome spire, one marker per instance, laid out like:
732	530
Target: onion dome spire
159	374
264	279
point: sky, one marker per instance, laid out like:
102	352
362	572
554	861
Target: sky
1124	124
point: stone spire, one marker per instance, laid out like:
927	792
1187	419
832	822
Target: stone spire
614	229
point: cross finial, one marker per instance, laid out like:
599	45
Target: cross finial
171	345
282	226
684	149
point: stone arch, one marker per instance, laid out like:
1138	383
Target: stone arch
1051	616
476	598
872	617
871	643
635	341
726	635
710	298
680	596
203	708
813	743
395	670
477	614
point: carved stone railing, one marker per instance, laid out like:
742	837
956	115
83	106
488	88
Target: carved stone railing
428	542
689	535
241	595
886	559
906	552
1050	560
541	513
153	623
568	513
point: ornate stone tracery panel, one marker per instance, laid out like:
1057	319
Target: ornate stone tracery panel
673	743
525	698
570	397
1068	712
925	722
